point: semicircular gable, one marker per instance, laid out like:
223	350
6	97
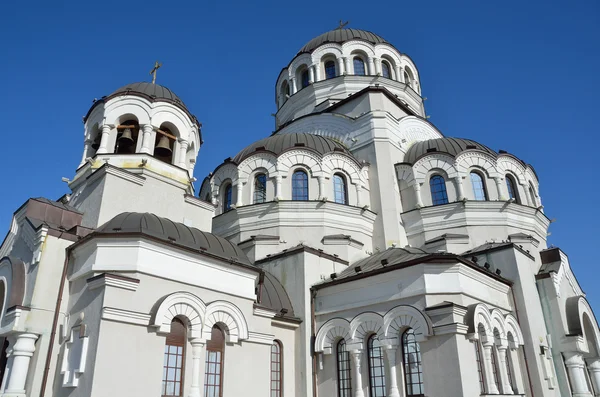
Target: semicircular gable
13	273
365	324
330	333
414	129
263	160
296	156
228	316
479	159
180	304
434	161
400	318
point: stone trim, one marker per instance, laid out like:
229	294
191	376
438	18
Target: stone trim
113	280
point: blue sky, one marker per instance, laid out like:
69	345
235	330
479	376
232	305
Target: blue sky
516	75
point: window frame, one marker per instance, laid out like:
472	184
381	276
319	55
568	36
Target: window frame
433	180
343	356
294	188
332	63
255	190
227	197
532	195
338	176
304	78
210	347
358	58
410	386
389	69
483	188
374	388
511	187
179	359
278	390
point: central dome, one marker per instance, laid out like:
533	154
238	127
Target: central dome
341	36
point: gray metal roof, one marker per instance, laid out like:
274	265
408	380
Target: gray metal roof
152	90
274	296
451	146
278	144
172	233
392	255
341	36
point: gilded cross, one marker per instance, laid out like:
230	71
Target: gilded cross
342	24
154	70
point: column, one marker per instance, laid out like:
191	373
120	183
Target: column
377	62
390	352
22	347
239	202
311	75
294	86
490	384
501	195
341	66
594	368
575	366
504	381
356	356
278	195
147	144
321	180
459	188
417	187
372	71
347	64
104	139
86	147
399	76
198	357
183	147
358	193
317	73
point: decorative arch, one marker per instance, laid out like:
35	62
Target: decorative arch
404	172
476	159
577	307
230	317
266	161
509	165
300	60
227	171
497	323
512	327
352	47
13	275
365	324
479	314
180	304
398	319
414	129
330	333
293	158
136	106
177	122
335	161
440	161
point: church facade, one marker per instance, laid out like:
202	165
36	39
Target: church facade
354	252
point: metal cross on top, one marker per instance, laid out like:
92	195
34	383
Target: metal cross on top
342	24
154	70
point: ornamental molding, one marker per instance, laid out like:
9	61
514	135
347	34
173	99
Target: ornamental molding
125	316
434	161
475	158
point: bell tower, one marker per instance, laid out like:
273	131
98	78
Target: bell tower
140	149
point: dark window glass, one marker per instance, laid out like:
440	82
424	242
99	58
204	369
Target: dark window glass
512	191
172	379
406	78
305	79
532	194
495	368
413	370
276	370
260	188
215	348
376	368
300	185
479	366
339	189
359	66
227	198
437	185
385	70
478	187
343	368
329	69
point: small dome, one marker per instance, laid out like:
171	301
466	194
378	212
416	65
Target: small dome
131	223
341	36
451	146
278	144
153	91
274	296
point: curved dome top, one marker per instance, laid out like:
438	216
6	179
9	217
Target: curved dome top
172	233
451	146
154	91
278	144
341	36
274	296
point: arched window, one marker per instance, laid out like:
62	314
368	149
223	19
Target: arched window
532	195
172	379
300	185
437	185
276	369
227	198
413	370
305	81
127	135
340	190
343	370
478	357
163	144
512	188
329	69
260	188
215	349
479	192
376	367
407	79
386	70
359	66
495	368
285	92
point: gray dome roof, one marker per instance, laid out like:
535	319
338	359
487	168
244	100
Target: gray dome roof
155	91
165	230
274	296
278	144
341	36
451	146
391	256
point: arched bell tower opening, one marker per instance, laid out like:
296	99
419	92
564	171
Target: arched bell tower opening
166	136
127	135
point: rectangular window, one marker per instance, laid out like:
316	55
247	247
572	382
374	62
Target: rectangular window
214	367
172	371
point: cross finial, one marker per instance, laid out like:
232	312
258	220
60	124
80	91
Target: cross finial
153	71
342	24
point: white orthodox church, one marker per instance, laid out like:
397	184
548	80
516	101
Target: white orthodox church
354	252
